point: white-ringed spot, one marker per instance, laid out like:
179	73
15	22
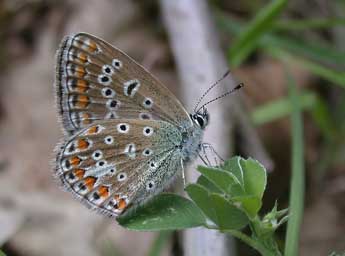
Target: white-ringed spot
152	165
130	150
148	103
122	176
148	131
111	115
101	163
145	116
97	155
131	87
147	152
108	92
113	104
109	140
123	128
104	79
108	70
150	185
117	64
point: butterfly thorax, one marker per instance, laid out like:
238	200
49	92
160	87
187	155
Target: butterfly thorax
191	143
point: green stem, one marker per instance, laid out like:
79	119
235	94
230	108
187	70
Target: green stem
246	239
251	242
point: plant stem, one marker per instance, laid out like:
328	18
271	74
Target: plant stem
297	177
251	242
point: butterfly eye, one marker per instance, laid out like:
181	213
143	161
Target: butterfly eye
148	131
200	121
147	103
117	64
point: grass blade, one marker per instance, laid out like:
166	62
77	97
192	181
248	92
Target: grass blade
297	186
248	39
320	23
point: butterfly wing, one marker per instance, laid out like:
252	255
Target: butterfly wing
114	164
96	81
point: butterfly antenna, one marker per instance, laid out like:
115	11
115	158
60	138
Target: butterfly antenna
239	86
210	88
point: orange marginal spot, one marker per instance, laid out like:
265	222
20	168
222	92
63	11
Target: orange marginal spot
86	118
82	144
103	191
90	182
92	46
82	101
79	173
80	71
75	161
93	130
122	204
82	57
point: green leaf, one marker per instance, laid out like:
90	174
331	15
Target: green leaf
221	179
307	24
250	204
200	196
164	212
203	181
233	166
227	216
280	108
249	37
254	176
2	253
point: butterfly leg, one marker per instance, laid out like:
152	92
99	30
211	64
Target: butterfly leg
218	160
183	174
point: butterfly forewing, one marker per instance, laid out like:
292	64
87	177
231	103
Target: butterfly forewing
113	164
96	81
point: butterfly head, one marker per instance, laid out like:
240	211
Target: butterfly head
201	118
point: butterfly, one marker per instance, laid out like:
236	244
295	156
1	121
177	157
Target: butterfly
126	135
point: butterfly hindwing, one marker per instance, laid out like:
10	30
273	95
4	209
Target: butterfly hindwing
96	81
114	164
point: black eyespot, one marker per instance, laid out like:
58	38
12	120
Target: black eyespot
112	170
150	185
82	186
97	154
96	196
145	116
105	79
108	92
147	102
113	103
147	130
101	163
107	70
71	176
123	127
